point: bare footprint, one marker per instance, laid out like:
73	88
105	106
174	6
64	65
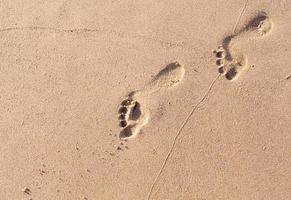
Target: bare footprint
168	77
261	25
231	63
133	114
132	117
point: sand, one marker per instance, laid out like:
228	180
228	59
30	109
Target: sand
134	100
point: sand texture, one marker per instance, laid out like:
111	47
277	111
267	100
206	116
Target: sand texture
145	100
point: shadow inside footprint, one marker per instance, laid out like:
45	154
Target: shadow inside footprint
168	77
126	132
123	123
231	74
135	112
256	22
168	68
261	23
225	44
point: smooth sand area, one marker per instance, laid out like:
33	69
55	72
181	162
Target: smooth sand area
145	99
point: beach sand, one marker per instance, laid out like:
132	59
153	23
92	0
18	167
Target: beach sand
132	100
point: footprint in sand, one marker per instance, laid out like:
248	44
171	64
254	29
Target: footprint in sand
133	113
231	63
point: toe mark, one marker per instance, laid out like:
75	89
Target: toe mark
219	54
219	62
221	70
122	110
123	123
126	102
121	117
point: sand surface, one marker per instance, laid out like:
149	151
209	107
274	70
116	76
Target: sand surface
129	100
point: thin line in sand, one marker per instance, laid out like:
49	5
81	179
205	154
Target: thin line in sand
190	114
172	44
240	15
178	134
